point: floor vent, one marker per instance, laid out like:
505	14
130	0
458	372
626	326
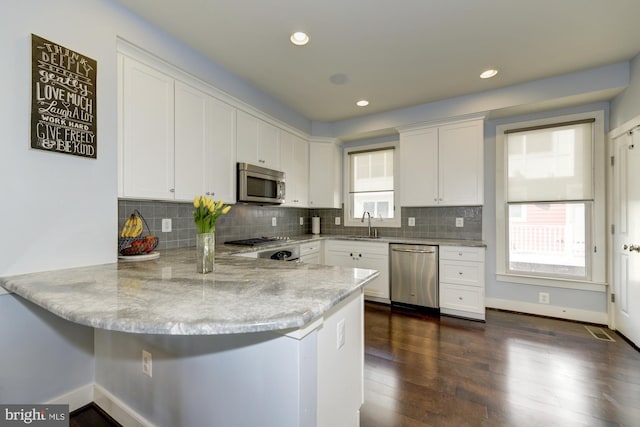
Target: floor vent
599	334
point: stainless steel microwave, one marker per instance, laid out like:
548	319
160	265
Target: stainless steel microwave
260	185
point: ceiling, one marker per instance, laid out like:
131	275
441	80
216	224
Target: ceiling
396	53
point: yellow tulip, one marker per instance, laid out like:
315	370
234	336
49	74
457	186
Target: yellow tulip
219	204
226	209
196	202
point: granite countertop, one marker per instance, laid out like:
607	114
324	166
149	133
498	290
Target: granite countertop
167	296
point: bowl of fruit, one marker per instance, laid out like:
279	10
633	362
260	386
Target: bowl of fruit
132	239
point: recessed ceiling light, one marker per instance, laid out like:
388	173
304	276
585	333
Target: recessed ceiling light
299	38
487	74
362	103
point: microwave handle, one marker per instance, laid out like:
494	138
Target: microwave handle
281	190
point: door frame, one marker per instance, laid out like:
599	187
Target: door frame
611	136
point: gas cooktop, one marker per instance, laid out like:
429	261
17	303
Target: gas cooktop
256	241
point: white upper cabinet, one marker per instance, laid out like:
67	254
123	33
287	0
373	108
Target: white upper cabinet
419	168
176	141
442	166
190	141
220	151
325	174
257	142
294	162
146	132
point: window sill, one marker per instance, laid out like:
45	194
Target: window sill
374	224
583	285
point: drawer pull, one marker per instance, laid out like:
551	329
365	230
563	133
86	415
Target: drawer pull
460	273
460	298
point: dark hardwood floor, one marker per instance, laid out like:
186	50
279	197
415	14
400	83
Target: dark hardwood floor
513	370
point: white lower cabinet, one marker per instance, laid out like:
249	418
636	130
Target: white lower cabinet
372	255
461	277
311	252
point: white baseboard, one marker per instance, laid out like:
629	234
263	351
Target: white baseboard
568	313
76	398
117	409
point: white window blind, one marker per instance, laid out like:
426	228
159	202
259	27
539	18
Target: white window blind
550	163
371	183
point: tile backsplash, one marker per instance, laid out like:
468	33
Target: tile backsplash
244	221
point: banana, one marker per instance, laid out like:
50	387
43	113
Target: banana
132	227
126	227
137	228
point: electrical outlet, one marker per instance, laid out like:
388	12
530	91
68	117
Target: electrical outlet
412	221
543	298
337	220
301	220
459	222
166	225
340	334
274	221
146	363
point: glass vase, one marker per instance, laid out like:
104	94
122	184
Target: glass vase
205	252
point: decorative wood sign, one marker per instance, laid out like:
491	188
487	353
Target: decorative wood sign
63	100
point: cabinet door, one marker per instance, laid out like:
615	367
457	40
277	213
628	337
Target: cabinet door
294	162
461	175
246	138
419	171
257	141
301	171
268	145
324	175
378	287
147	141
220	151
190	140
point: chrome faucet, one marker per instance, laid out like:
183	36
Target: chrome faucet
369	221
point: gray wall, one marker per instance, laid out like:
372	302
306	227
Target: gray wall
578	299
626	106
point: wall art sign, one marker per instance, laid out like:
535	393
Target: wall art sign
63	100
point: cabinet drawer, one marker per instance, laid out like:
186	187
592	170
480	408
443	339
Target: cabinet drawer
462	298
462	253
309	248
381	248
464	273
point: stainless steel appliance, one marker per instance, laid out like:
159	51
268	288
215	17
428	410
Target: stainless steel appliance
260	185
414	275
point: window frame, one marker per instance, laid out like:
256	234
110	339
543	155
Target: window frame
396	221
595	247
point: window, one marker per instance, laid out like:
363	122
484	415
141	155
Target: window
371	186
550	197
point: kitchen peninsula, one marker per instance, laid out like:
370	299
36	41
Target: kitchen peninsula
255	340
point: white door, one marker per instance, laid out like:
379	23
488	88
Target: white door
626	246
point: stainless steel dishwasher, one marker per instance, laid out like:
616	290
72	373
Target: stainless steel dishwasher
414	275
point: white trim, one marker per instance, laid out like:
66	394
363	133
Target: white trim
439	122
117	409
463	314
553	282
625	127
567	313
75	398
598	230
396	222
3	291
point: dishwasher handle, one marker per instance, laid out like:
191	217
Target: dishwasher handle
414	251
